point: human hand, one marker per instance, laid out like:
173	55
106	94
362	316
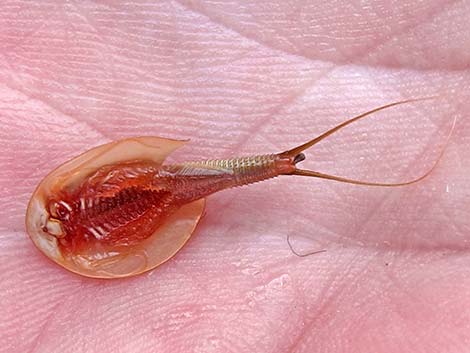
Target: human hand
240	79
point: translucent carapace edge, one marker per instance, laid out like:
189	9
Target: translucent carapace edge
108	262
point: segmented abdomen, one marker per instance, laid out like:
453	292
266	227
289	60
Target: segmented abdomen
124	208
114	210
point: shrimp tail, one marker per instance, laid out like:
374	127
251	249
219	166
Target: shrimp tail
297	156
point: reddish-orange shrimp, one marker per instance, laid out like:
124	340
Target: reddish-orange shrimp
117	210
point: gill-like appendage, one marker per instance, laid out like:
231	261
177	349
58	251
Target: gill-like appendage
298	156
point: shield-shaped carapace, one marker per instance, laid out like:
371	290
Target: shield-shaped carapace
117	210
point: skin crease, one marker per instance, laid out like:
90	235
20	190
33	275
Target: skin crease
239	78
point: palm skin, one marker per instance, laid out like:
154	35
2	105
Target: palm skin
242	78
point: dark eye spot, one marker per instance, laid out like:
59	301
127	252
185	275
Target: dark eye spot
60	210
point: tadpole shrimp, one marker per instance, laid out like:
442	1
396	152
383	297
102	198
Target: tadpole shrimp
117	210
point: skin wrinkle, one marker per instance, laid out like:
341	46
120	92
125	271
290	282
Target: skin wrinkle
394	284
105	58
266	282
452	224
201	13
362	54
409	29
323	232
433	248
417	300
54	107
303	332
49	104
324	301
289	100
36	343
323	305
18	44
49	320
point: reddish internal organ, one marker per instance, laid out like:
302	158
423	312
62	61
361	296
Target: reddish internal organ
117	205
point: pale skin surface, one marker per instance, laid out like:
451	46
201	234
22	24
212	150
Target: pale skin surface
238	79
